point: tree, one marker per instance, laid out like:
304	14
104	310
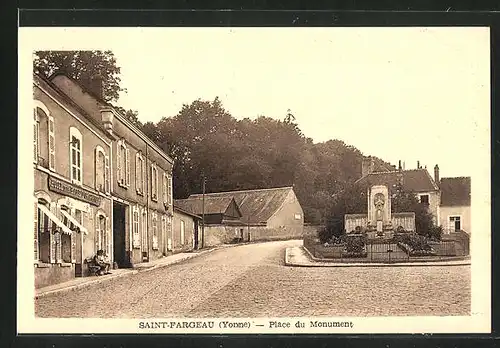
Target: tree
82	66
407	201
131	115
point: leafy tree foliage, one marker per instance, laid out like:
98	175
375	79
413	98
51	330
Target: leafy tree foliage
407	201
205	140
82	66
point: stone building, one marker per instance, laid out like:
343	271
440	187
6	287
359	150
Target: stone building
455	207
186	231
249	215
100	183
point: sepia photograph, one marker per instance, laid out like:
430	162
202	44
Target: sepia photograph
246	180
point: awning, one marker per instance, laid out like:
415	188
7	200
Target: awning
54	219
74	221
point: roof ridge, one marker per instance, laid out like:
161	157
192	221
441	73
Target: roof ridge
238	191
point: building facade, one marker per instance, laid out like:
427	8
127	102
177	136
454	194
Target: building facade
72	192
100	183
249	215
455	204
186	231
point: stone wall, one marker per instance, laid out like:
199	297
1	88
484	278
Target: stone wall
53	274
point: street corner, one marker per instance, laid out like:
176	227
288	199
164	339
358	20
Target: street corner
296	257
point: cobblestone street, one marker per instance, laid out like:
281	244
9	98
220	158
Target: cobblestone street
252	281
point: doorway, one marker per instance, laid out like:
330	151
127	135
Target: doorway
119	228
195	236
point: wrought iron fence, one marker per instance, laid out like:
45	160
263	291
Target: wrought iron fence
383	251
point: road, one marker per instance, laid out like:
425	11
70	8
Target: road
252	281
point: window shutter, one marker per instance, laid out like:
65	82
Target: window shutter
164	188
36	231
137	185
152	182
144	173
127	165
96	166
107	239
170	188
135	229
52	145
73	247
106	174
119	162
97	233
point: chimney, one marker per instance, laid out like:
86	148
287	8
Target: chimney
96	85
418	164
403	165
367	166
436	174
399	166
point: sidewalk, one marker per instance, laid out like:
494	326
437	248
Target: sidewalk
299	257
81	282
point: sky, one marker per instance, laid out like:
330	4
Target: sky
410	94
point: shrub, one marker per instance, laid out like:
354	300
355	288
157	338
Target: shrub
355	244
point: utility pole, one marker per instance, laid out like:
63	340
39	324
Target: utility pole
203	214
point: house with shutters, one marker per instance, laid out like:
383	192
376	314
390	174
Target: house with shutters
72	187
248	215
100	183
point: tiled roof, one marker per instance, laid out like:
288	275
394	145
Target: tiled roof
213	205
184	211
417	180
256	206
455	191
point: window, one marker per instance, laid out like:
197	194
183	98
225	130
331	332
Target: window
123	164
101	233
424	199
101	170
154	182
182	232
163	229
43	136
144	229
154	221
75	138
297	216
455	223
136	239
140	171
164	189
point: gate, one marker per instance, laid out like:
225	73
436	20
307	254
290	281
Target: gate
385	252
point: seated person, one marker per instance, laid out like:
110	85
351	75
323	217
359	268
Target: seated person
101	261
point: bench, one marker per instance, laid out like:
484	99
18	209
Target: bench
93	268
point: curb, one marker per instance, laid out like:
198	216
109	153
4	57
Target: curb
400	264
84	285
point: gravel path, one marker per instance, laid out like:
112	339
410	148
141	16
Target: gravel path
251	281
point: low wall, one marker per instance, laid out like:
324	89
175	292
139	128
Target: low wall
222	234
46	275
